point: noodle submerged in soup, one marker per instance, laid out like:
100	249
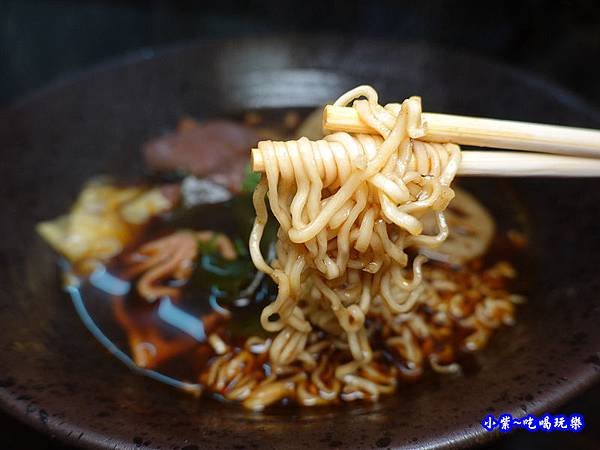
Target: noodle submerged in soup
164	274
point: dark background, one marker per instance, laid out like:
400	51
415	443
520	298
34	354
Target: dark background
43	40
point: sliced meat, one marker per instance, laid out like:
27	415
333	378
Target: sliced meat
217	150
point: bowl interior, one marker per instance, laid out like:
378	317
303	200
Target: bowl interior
57	377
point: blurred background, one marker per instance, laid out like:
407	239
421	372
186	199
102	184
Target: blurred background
42	41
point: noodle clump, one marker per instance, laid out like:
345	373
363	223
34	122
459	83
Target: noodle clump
348	207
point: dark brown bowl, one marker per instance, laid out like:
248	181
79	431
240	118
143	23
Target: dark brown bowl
56	377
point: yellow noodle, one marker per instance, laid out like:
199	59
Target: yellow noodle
347	207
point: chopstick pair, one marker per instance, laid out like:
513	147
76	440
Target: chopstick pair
572	152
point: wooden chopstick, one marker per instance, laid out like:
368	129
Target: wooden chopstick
525	164
506	164
481	132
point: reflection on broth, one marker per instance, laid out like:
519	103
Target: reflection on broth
165	280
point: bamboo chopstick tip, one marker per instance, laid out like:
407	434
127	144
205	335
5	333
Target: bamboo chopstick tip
258	164
326	115
342	118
